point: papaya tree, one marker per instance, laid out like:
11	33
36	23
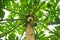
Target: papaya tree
31	17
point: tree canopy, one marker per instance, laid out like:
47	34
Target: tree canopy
44	12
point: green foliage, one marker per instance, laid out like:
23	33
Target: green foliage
28	8
39	14
55	35
40	36
2	13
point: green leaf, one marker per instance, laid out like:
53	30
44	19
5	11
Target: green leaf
1	28
39	14
11	36
2	13
20	30
16	38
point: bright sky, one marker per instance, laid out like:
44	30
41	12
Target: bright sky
6	13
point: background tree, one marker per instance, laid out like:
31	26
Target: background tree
37	14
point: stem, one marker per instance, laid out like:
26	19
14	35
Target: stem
11	19
29	32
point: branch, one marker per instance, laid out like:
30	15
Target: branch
3	23
11	30
16	4
13	11
11	19
52	23
38	7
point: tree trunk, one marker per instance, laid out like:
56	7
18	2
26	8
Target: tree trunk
29	32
